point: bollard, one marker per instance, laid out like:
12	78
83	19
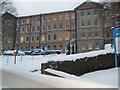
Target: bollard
7	59
15	59
33	57
21	58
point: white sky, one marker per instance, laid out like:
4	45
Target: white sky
32	7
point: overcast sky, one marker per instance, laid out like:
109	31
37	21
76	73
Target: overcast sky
32	7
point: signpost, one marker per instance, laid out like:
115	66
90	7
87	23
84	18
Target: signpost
116	34
15	51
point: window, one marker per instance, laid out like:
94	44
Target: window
48	37
55	26
90	46
23	21
26	39
38	28
83	34
83	47
43	38
61	46
96	34
18	21
27	20
27	29
54	47
33	28
89	35
95	22
88	13
61	26
97	45
55	37
37	38
43	27
32	38
49	27
38	19
43	19
22	30
22	39
82	13
33	19
89	23
82	23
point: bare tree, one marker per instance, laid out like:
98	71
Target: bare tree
7	6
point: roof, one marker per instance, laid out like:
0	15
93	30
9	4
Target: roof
47	13
91	2
7	13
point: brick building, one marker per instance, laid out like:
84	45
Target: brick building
51	30
84	28
8	31
89	27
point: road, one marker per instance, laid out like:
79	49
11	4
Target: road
13	81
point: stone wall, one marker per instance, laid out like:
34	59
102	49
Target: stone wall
84	65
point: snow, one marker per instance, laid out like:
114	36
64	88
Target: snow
105	77
26	64
12	52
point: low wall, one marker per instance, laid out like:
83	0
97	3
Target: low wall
84	65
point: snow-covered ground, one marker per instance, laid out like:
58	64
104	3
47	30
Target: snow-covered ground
26	64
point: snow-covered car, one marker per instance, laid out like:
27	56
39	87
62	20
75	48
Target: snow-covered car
10	52
20	53
28	52
38	52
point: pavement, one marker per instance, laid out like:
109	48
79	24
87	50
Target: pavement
10	80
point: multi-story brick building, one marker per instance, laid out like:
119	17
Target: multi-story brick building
90	34
8	31
84	28
51	30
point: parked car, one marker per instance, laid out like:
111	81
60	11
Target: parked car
47	52
10	52
38	52
28	52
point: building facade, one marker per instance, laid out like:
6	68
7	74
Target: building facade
84	29
89	28
8	31
46	31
